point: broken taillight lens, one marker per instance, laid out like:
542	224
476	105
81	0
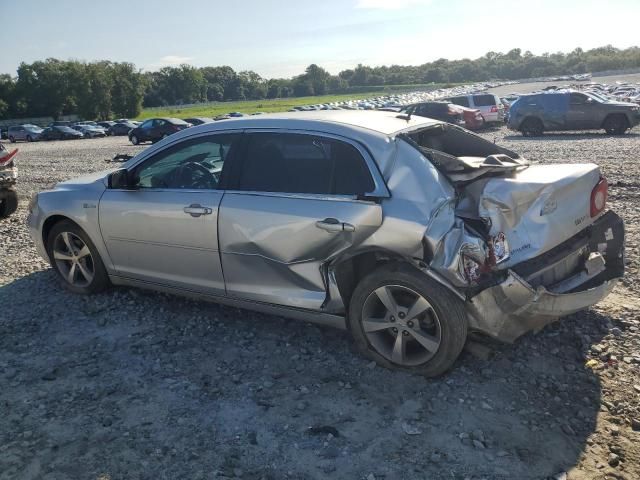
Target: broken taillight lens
599	196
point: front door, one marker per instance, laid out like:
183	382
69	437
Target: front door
581	113
165	230
293	208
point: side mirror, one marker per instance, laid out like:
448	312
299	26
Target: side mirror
121	180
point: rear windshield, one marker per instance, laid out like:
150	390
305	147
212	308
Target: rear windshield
177	121
484	100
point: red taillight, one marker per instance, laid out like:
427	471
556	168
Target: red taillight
5	160
599	196
494	109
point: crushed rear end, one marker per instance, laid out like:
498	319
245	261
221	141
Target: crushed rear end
525	244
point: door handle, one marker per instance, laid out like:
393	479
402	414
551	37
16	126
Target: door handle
333	225
195	210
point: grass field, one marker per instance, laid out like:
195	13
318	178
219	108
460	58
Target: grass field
267	106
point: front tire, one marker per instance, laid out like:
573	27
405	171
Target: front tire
615	125
12	139
404	320
134	139
532	127
75	259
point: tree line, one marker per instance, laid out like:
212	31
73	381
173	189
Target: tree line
106	89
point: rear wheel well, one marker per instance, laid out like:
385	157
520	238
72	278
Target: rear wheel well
350	271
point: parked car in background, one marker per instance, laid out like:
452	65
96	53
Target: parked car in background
198	120
490	105
156	129
90	131
448	112
536	113
407	232
60	133
60	123
437	110
107	124
26	132
121	128
4	133
473	119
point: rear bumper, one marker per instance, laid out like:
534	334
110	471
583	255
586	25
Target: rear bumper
515	307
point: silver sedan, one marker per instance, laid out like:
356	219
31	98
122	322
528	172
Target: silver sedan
406	231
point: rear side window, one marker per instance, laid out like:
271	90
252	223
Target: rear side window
296	163
484	100
462	101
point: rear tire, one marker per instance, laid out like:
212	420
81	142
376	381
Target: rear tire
8	203
383	321
75	259
29	139
615	124
532	127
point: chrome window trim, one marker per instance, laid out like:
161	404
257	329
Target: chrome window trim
298	196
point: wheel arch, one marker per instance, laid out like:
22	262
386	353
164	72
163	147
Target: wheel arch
531	117
50	222
616	115
346	271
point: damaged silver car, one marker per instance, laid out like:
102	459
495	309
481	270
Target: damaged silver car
408	232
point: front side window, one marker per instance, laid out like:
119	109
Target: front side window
577	99
193	164
146	124
297	163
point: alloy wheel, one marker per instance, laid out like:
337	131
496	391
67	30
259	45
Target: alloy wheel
73	259
401	325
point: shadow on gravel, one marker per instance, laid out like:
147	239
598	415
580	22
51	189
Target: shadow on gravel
569	136
132	384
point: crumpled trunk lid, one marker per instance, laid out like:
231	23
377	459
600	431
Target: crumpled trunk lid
534	209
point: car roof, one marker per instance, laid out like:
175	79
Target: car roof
330	121
369	127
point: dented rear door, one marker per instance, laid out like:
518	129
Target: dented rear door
293	209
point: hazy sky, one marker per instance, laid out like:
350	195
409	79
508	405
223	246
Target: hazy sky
278	38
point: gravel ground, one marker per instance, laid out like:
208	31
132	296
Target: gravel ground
133	384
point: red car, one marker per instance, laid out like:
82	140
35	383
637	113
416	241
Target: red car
468	118
473	119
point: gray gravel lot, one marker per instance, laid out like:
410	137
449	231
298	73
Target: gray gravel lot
132	384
